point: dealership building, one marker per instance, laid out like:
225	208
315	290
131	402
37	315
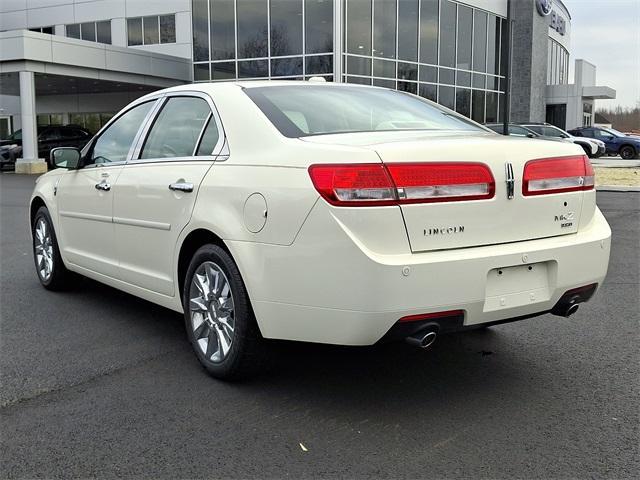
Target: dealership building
80	61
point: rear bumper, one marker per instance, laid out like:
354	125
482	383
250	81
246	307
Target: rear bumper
328	288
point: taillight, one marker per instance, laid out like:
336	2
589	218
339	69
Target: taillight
378	184
441	182
358	184
557	175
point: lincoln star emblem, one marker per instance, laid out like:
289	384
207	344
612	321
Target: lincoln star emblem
511	181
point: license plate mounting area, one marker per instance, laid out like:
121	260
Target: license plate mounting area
516	286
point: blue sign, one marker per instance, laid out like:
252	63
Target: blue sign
558	23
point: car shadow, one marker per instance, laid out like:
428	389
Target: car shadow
394	375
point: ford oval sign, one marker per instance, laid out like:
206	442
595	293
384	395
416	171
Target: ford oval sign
544	7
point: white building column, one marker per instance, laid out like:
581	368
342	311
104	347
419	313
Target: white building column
29	163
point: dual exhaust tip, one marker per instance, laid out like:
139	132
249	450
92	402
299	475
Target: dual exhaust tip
426	337
566	306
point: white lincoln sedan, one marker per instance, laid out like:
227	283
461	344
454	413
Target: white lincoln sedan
319	212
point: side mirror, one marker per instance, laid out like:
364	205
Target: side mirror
531	135
65	157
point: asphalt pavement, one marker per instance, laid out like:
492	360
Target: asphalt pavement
96	383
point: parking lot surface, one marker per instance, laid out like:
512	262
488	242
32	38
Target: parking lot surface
96	383
615	162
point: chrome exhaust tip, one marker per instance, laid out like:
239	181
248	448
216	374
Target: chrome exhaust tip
571	310
423	339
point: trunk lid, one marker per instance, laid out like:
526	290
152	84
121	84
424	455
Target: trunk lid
459	224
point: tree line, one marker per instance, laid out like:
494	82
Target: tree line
623	119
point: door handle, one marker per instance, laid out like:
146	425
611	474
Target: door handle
181	187
104	186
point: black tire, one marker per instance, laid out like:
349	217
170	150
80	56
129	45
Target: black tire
628	153
59	277
247	353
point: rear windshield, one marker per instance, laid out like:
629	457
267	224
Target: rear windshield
299	111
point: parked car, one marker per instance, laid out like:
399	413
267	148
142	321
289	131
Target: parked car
49	137
592	147
617	143
517	130
514	130
328	213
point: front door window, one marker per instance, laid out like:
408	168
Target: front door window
115	142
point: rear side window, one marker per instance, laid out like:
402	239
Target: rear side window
49	134
177	128
536	129
302	110
552	132
518	131
72	133
209	138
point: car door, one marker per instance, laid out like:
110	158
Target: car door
608	139
85	197
156	191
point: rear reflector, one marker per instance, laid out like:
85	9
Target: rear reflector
378	184
557	175
431	316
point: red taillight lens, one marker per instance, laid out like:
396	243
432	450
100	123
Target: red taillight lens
357	184
557	175
378	184
441	182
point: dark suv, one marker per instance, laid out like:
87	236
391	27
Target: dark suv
48	137
616	143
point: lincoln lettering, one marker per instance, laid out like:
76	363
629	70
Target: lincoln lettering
443	230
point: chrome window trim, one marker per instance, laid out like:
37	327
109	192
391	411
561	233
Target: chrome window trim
140	140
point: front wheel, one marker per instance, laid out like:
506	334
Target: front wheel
52	273
220	323
587	151
627	153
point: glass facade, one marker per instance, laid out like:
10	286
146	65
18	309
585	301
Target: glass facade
557	64
443	50
266	39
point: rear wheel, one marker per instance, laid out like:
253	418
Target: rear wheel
627	152
52	273
218	316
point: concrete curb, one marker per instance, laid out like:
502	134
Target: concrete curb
617	188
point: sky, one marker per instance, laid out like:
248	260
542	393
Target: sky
607	34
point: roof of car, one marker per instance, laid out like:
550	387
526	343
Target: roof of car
228	86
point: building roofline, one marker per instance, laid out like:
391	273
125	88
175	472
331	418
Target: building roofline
19	48
564	7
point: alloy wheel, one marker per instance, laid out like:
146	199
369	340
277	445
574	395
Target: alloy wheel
43	245
627	153
212	311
